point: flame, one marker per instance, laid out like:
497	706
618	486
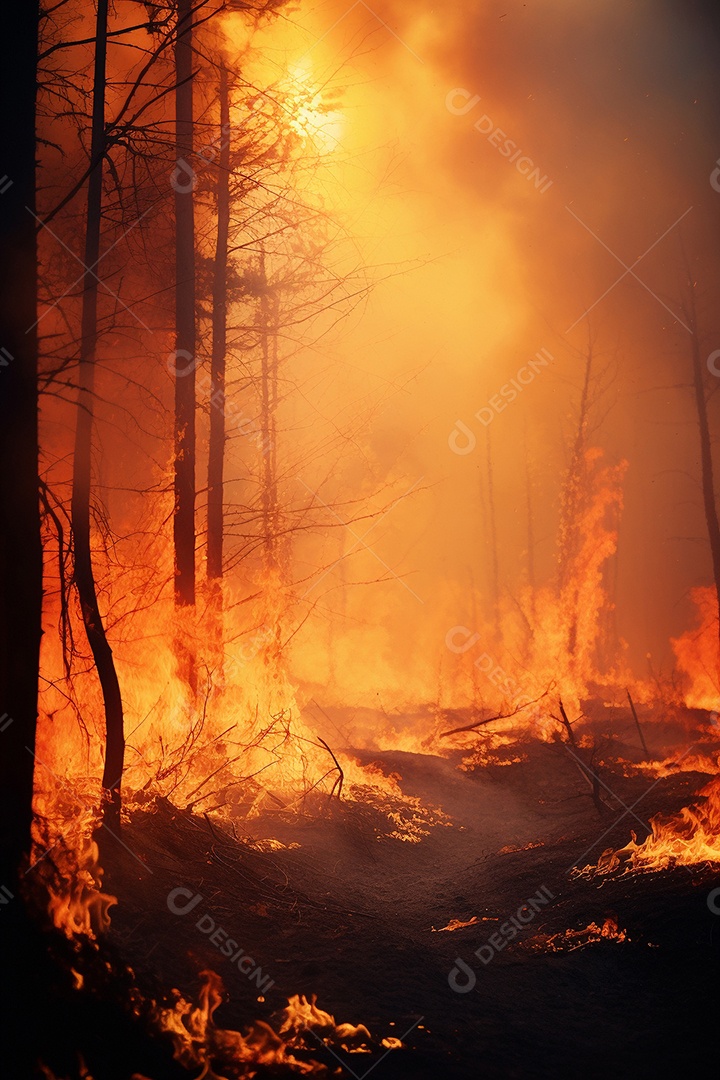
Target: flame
198	1041
570	940
77	904
688	838
457	924
301	1015
697	653
671	766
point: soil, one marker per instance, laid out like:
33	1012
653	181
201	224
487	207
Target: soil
355	917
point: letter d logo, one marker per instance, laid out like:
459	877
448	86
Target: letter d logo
461	439
180	894
468	101
715	177
184	178
461	968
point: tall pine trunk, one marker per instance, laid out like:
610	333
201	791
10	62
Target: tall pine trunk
269	328
185	343
216	450
82	461
20	548
184	517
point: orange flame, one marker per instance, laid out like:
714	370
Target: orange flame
688	838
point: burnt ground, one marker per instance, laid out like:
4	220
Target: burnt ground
349	917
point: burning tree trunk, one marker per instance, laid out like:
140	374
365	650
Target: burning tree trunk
184	462
20	548
82	461
706	460
216	451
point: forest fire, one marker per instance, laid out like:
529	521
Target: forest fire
360	541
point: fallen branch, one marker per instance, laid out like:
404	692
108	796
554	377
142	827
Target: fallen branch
489	719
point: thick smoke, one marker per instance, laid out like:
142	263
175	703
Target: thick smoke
500	138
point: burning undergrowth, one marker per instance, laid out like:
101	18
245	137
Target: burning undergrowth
200	1042
689	838
570	940
92	961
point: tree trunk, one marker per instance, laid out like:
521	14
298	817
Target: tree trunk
706	460
216	450
492	528
184	515
574	499
21	586
266	479
20	548
82	461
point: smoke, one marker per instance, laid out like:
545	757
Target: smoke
521	180
529	163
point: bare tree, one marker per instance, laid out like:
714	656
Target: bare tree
185	344
20	547
216	449
82	460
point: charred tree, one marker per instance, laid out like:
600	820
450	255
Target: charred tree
268	404
21	565
492	525
20	547
269	506
80	510
217	438
185	344
706	458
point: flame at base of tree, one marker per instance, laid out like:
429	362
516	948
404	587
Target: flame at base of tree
554	642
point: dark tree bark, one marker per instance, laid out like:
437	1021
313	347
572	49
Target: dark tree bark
82	461
185	344
216	449
706	458
20	547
